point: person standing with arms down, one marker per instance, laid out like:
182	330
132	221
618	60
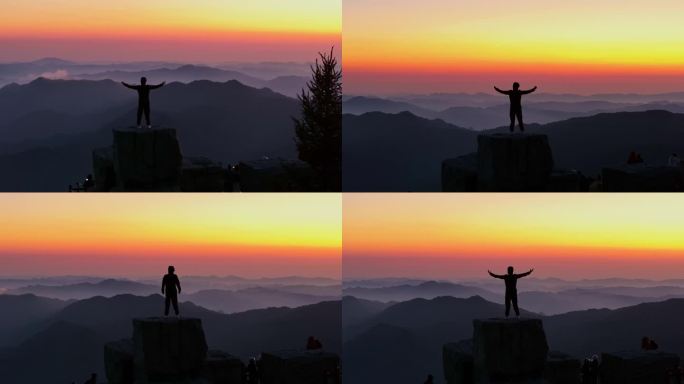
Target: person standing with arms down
169	284
511	280
143	99
515	95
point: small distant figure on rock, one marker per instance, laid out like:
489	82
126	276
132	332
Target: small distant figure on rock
92	379
143	99
313	344
169	284
674	160
590	370
430	380
515	95
252	372
89	183
511	280
648	344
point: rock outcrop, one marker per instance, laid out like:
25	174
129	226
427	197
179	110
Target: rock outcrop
506	350
147	159
641	178
204	175
513	162
631	367
168	348
502	163
299	367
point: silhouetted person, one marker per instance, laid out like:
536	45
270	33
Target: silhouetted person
143	99
430	380
313	344
590	368
169	285
515	95
252	372
92	380
648	344
511	280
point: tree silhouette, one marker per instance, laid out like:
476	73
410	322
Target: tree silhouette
319	132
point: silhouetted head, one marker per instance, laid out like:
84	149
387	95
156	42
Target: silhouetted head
510	270
516	85
172	269
143	80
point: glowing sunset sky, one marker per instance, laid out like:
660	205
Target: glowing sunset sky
395	46
561	235
193	31
134	234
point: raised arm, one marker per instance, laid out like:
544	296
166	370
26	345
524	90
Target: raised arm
528	91
495	275
125	84
526	273
500	91
158	85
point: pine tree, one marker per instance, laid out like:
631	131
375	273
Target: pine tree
319	132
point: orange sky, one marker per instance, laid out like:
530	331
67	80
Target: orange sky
562	235
133	234
395	46
197	31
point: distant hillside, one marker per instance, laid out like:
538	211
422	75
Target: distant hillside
71	340
426	290
47	135
107	288
403	152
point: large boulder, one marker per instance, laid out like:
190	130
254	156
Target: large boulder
641	178
118	357
168	348
457	359
508	350
562	369
223	368
460	174
147	159
513	162
299	367
632	367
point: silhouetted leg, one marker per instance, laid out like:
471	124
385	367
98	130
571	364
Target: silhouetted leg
140	112
146	110
174	300
166	306
514	299
512	116
520	121
508	305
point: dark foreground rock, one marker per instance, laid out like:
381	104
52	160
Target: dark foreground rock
641	178
104	174
513	162
299	367
507	350
168	348
460	174
632	367
457	359
147	159
200	174
119	365
221	367
562	369
275	175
